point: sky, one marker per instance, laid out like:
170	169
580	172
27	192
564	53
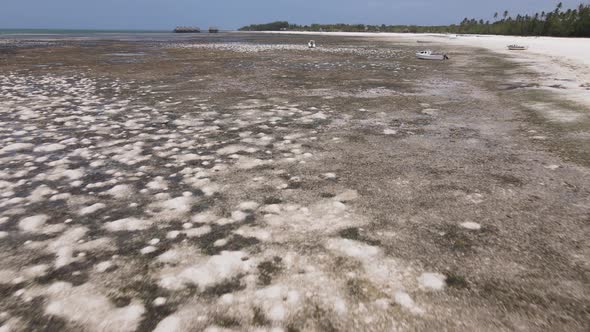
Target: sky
232	14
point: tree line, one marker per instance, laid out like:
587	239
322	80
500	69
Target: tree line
558	23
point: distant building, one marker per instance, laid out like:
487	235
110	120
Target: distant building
187	30
213	30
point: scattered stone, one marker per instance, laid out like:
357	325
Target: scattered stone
330	176
248	206
172	234
103	266
471	225
160	301
405	301
434	281
389	131
347	196
33	224
475	198
148	250
91	209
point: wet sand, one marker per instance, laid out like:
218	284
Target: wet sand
245	182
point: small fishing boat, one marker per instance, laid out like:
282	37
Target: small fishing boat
311	44
515	47
429	55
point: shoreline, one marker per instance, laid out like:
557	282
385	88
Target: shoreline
559	61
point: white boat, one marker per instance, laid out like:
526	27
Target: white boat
515	47
429	55
311	44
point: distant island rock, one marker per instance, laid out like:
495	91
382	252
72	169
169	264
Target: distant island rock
187	30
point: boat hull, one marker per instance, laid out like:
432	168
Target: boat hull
431	56
517	48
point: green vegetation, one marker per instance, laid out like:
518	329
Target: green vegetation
273	26
456	281
559	23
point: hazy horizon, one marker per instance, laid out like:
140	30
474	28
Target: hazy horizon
231	14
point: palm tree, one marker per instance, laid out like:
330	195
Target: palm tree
559	5
495	15
505	14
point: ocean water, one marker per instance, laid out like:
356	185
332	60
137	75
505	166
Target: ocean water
70	32
122	35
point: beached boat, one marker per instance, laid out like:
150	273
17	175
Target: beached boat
311	44
517	47
429	55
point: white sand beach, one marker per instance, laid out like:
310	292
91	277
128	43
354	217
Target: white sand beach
560	61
